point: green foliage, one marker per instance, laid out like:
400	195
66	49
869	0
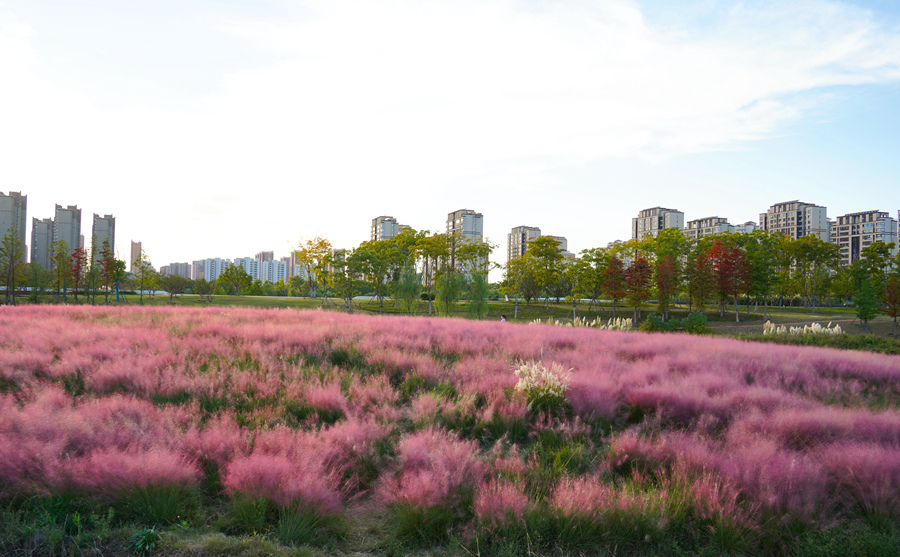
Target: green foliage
449	285
868	343
300	526
233	276
144	541
477	305
164	504
417	526
408	287
695	323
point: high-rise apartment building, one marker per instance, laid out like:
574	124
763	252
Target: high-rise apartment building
176	269
855	231
517	241
250	265
467	223
650	221
209	269
136	250
41	241
563	246
13	209
265	256
698	228
385	228
273	271
67	227
796	219
103	230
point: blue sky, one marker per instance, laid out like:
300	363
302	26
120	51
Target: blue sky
220	129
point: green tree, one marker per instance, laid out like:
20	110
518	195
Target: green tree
376	258
864	299
477	304
518	282
434	251
142	269
345	266
546	260
761	248
311	257
449	285
235	277
12	263
204	289
175	284
38	280
61	267
597	260
407	288
812	256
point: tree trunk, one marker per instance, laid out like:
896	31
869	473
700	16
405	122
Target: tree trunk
737	311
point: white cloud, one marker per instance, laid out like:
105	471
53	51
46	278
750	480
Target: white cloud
407	107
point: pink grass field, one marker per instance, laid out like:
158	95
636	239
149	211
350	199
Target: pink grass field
327	409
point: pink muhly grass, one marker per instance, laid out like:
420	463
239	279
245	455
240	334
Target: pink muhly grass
327	397
590	498
374	396
500	503
801	428
285	481
425	409
864	474
111	471
218	441
346	446
435	468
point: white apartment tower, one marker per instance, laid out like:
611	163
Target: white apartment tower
466	222
855	231
385	228
176	269
41	241
13	209
795	219
517	240
650	221
67	227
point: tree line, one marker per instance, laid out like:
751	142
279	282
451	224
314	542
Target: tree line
761	268
722	270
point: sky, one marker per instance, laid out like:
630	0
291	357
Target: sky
222	128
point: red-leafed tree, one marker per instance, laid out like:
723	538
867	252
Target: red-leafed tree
666	283
731	274
699	277
638	280
891	300
614	281
77	269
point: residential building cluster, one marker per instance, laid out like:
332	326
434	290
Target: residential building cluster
65	226
851	232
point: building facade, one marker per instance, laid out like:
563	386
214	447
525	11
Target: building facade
41	241
796	219
855	231
67	227
517	241
698	228
650	222
385	228
136	250
467	223
250	265
176	269
103	230
13	214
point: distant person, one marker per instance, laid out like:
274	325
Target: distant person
503	319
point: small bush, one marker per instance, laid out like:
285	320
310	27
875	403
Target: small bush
158	504
695	323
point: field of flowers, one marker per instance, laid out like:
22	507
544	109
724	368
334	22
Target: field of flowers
297	425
